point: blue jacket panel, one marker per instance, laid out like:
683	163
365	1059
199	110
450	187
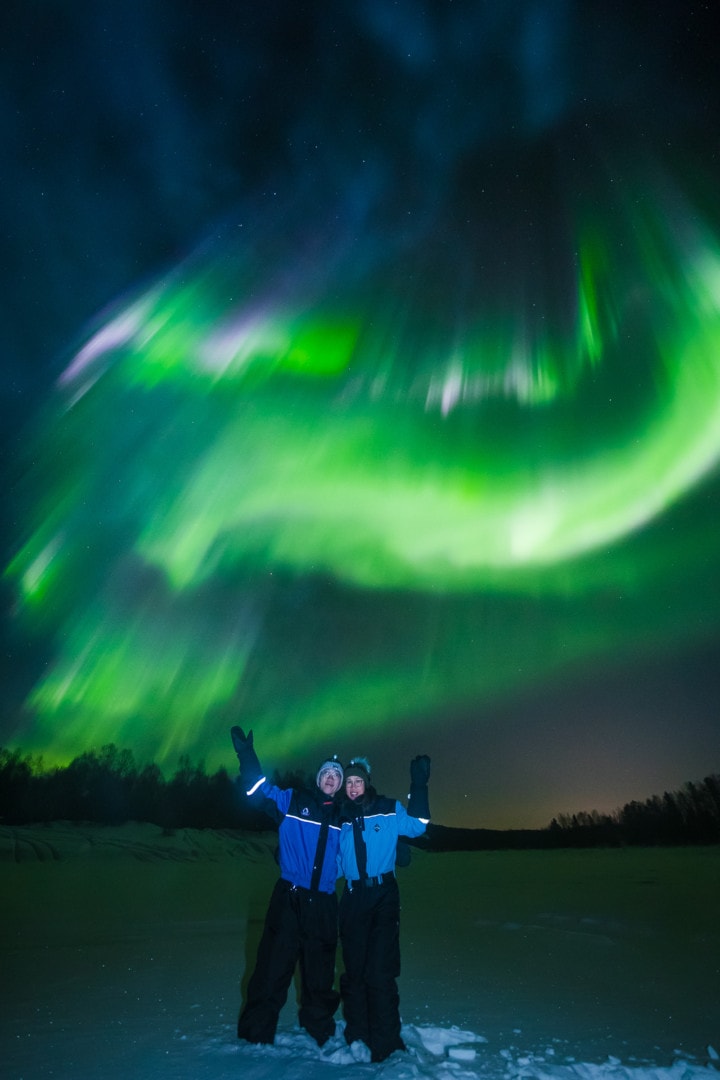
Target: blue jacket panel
383	823
303	818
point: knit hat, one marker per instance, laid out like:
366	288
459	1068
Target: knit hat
360	767
331	765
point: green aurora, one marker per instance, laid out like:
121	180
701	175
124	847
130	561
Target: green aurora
339	488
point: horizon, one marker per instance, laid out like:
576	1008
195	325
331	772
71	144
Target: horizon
43	765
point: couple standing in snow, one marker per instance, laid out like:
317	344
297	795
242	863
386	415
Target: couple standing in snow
341	827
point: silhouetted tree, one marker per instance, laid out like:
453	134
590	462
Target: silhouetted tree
99	784
16	785
147	795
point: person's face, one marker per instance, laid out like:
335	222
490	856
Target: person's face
354	787
329	782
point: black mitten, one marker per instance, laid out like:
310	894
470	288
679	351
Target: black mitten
418	802
250	769
420	769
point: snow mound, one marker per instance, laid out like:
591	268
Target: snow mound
437	1053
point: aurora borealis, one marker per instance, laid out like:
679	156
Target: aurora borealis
382	470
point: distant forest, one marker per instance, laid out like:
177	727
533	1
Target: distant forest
107	787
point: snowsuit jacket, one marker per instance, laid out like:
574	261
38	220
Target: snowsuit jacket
382	822
309	834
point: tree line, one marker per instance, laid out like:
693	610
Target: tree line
690	815
108	787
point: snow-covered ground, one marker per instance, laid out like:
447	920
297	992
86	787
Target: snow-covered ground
124	953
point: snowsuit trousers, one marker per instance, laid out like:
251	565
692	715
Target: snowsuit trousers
300	926
370	936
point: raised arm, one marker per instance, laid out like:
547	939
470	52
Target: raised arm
251	772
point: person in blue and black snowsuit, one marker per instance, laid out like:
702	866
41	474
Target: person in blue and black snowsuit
301	921
370	903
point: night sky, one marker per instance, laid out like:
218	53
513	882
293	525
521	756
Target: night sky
362	386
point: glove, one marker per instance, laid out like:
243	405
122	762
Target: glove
241	741
249	765
418	802
420	769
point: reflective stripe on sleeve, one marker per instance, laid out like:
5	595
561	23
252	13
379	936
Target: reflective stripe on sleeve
254	788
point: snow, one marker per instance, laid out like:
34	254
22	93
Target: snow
124	953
